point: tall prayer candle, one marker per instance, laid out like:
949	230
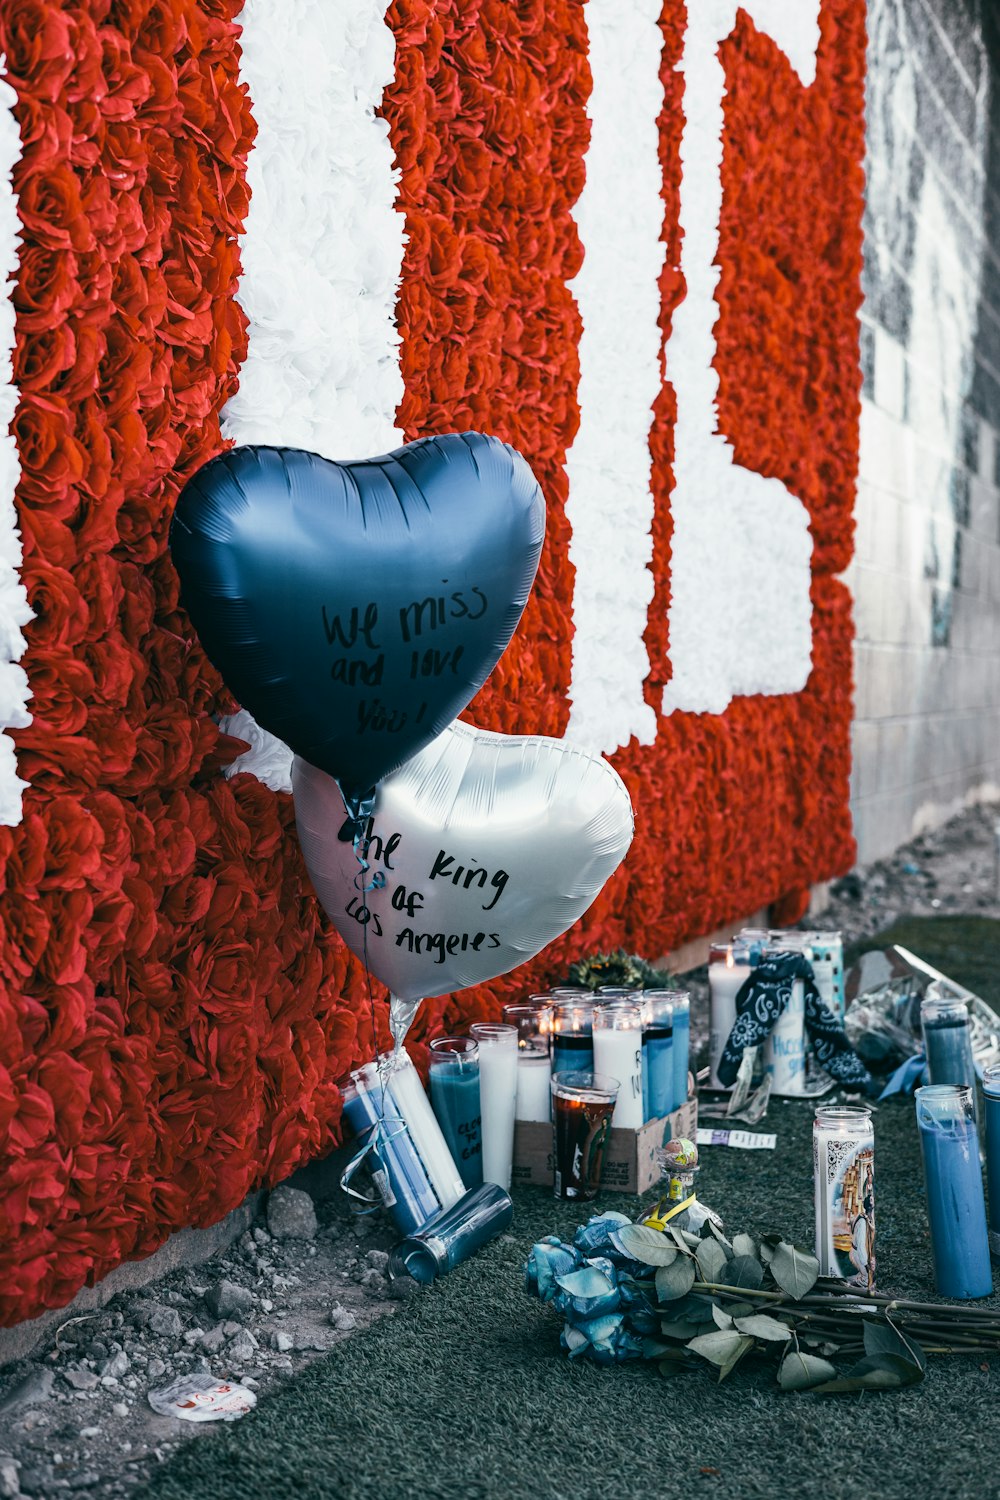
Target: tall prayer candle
395	1165
454	1083
947	1029
533	1020
785	1049
572	1039
618	1054
828	969
682	1046
949	1144
658	1020
725	979
498	1097
991	1096
407	1092
844	1187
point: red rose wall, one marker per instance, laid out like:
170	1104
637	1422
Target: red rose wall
175	1011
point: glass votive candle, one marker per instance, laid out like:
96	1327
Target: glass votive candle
991	1098
454	1087
582	1106
498	1097
572	1038
956	1208
534	1067
728	969
618	1054
658	1034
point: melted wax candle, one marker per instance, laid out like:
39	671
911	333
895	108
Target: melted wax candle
454	1082
572	1036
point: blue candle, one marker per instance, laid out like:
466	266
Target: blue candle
991	1095
454	1087
682	1043
948	1042
395	1164
949	1143
658	1043
572	1036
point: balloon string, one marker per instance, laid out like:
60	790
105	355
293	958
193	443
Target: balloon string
360	809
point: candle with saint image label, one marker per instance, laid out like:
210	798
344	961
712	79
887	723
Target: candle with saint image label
844	1186
618	1054
498	1095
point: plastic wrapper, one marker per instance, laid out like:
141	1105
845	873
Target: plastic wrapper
201	1398
883	1017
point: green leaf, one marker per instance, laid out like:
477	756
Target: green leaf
651	1246
768	1244
886	1338
740	1309
717	1346
794	1270
718	1235
711	1260
743	1245
800	1372
683	1332
744	1270
746	1344
654	1348
675	1280
760	1326
682	1239
877	1372
722	1319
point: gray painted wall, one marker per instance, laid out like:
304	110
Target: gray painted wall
926	575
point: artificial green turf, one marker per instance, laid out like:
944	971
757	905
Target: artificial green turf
465	1393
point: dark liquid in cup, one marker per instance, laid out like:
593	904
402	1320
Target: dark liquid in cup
581	1129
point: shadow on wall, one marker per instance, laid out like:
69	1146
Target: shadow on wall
931	277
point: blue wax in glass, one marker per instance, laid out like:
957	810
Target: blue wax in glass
681	1042
572	1052
949	1051
455	1099
659	1044
956	1208
415	1198
993	1167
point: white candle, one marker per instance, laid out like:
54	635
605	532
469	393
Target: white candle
498	1097
618	1054
534	1078
414	1107
785	1048
725	979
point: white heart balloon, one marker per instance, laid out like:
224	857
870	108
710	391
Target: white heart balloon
483	848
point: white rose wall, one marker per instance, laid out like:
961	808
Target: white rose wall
622	236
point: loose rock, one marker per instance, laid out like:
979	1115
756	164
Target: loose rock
10	1484
31	1391
291	1215
342	1318
117	1365
80	1380
165	1320
227	1299
214	1339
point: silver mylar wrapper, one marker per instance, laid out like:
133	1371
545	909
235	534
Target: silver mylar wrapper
489	846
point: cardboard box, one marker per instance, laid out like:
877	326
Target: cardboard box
630	1164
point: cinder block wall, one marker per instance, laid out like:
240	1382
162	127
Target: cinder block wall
926	575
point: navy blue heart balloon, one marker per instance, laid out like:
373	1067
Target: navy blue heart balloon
355	608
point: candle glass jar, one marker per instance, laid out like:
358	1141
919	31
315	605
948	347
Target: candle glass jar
956	1207
991	1098
534	1068
618	1054
453	1235
582	1106
844	1187
395	1165
947	1031
728	970
658	1029
572	1035
454	1087
498	1097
